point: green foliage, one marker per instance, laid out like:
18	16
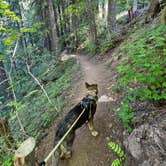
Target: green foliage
33	107
142	73
145	65
6	12
126	4
33	28
33	35
8	33
116	148
8	161
105	46
76	8
1	57
125	113
120	153
107	41
6	153
31	93
89	46
11	38
116	162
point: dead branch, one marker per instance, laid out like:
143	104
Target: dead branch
38	82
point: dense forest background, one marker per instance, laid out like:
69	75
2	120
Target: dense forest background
33	78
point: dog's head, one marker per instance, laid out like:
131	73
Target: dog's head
92	89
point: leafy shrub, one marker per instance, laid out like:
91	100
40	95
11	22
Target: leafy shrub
107	41
142	73
89	46
125	113
145	66
6	153
34	109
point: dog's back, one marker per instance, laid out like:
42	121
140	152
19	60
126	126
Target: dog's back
72	115
89	104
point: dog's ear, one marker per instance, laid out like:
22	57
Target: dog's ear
95	86
86	85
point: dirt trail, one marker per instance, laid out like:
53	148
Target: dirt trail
89	150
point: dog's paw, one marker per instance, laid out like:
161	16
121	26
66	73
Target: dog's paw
62	156
68	154
94	133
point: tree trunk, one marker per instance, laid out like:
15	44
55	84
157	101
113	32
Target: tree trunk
92	23
132	10
74	26
53	34
111	16
103	9
60	21
56	20
25	154
163	16
154	8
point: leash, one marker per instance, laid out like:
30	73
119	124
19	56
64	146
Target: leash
61	140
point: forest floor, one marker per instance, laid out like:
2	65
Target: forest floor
89	150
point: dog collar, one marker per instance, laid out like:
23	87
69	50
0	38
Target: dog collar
92	97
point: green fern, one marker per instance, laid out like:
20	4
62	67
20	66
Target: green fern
118	150
116	162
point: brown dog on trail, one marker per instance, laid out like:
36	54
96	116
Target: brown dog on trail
89	104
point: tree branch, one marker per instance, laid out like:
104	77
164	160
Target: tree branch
11	82
41	86
3	81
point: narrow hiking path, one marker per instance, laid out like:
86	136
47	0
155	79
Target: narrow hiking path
89	150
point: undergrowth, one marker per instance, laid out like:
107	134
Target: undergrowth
34	109
106	40
142	70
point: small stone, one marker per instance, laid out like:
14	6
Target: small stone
110	125
105	98
107	138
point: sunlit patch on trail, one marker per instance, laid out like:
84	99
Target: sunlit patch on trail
65	57
105	98
87	68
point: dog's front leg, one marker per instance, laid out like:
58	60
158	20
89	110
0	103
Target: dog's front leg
55	159
91	127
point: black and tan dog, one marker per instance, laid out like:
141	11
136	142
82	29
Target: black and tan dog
89	103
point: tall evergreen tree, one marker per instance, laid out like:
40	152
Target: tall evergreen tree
91	19
111	16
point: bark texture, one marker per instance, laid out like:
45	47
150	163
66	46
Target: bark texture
53	34
153	10
163	16
74	25
92	23
111	17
